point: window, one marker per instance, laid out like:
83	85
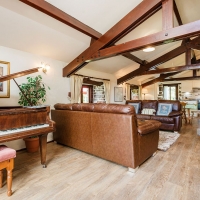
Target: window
92	94
87	94
170	92
99	95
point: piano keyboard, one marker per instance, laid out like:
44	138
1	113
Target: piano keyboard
11	131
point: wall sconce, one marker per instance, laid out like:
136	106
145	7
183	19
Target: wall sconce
144	91
45	67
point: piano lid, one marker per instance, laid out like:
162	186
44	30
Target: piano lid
19	74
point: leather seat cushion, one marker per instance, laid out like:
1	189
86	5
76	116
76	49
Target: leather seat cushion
143	116
163	119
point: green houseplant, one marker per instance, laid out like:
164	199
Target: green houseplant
32	93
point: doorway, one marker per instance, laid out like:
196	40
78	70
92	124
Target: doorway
170	91
87	94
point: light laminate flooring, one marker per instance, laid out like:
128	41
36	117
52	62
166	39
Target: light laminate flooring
75	175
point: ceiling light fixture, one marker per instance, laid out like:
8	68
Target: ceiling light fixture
149	49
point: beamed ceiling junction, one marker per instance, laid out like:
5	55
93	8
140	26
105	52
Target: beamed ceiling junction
104	46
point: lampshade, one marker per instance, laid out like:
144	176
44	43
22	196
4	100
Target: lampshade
144	91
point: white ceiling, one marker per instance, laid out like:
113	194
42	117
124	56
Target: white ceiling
26	29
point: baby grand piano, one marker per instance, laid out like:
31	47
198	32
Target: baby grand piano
17	122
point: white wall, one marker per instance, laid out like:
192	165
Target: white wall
20	61
60	86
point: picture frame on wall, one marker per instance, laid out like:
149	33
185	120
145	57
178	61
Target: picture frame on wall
5	85
118	94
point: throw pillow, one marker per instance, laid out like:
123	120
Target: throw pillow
164	109
136	106
148	111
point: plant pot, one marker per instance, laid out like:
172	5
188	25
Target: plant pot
32	144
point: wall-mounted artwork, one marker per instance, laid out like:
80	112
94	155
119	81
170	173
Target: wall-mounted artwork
4	86
118	92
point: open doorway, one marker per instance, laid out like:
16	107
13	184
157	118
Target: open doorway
87	94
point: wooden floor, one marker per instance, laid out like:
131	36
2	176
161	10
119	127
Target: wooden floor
74	175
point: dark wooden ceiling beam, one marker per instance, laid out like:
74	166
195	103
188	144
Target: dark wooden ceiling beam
152	12
167	14
92	82
159	79
63	17
130	20
196	46
188	56
174	34
194	73
182	79
134	58
177	14
172	69
158	61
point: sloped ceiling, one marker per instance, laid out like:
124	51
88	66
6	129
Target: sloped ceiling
27	29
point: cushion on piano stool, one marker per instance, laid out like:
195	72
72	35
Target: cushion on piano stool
6	153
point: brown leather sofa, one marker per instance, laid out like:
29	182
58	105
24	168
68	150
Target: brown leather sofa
109	131
172	122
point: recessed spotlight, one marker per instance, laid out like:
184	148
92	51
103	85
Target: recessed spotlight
149	49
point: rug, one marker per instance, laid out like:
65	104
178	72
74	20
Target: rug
166	139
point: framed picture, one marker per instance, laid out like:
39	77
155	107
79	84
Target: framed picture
118	94
4	86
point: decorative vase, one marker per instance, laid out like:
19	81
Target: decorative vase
32	144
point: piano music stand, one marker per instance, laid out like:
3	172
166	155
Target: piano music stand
19	74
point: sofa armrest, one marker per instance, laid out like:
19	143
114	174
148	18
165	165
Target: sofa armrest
148	126
175	113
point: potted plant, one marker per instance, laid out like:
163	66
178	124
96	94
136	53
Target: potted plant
32	93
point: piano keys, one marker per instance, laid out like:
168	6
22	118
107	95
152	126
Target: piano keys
17	123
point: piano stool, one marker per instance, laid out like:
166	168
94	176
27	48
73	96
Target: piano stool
7	156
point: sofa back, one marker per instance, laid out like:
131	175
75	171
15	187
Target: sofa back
153	104
101	108
107	131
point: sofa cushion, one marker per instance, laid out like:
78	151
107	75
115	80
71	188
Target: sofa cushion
175	113
148	111
147	126
164	109
136	106
176	106
153	104
135	101
143	116
163	119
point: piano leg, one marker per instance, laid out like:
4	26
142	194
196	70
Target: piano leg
43	149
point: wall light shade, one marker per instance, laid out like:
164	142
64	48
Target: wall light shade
45	67
149	49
